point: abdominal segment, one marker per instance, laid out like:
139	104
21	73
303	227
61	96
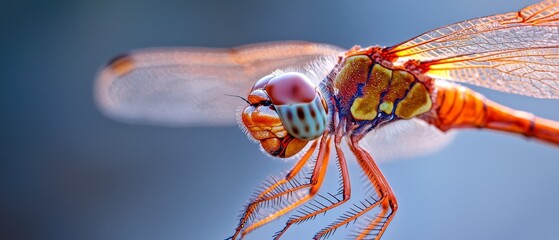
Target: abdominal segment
459	107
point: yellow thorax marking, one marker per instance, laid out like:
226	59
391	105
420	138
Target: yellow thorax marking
401	81
416	102
381	91
365	107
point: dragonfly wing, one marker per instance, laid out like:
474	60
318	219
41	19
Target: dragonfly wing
515	52
404	139
188	86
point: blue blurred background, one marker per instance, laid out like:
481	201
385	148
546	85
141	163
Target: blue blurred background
67	172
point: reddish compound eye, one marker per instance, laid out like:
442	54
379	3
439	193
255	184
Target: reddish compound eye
260	84
290	88
298	105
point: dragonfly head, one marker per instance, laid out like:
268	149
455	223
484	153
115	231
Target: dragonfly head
286	112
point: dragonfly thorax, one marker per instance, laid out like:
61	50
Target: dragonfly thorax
369	92
285	113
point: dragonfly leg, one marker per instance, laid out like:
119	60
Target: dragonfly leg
315	210
271	193
314	184
385	199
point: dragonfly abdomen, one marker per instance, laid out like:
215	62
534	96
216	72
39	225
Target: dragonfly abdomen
370	92
459	107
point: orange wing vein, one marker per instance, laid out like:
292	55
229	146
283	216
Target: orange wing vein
515	52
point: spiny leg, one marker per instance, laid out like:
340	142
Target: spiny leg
292	173
387	200
265	196
274	191
315	182
378	225
357	210
345	191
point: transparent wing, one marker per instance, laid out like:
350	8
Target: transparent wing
515	52
188	86
405	138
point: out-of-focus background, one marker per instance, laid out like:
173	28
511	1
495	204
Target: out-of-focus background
68	172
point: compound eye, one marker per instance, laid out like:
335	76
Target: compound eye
261	83
298	105
290	88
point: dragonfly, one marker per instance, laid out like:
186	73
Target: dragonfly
301	99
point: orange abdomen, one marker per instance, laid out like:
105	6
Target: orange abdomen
459	107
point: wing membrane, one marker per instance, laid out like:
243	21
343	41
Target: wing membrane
404	139
188	86
514	52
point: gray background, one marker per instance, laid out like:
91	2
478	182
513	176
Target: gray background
67	172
